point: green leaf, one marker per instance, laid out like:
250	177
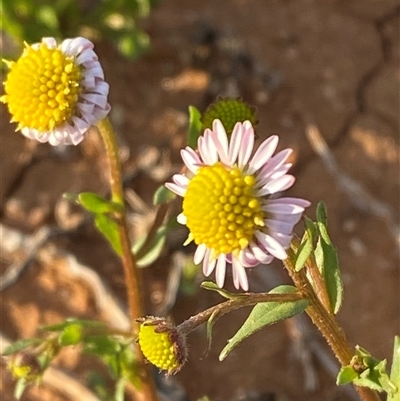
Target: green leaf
195	126
311	229
211	286
321	214
304	252
163	195
264	314
71	335
328	264
109	228
346	375
395	370
154	250
20	388
20	345
210	324
96	204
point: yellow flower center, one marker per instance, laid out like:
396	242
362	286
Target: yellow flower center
221	209
42	88
158	348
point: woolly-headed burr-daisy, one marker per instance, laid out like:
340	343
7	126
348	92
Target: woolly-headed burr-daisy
227	203
56	92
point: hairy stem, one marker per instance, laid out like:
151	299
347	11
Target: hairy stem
133	278
327	324
228	306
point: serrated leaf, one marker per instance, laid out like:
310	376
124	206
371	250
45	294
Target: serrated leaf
96	204
264	314
346	375
20	345
195	126
109	228
304	252
328	264
395	370
211	286
154	250
321	214
20	388
163	195
71	335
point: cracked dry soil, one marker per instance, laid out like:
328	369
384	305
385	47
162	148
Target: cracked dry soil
334	63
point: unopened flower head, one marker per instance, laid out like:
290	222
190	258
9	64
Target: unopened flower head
162	344
227	204
56	92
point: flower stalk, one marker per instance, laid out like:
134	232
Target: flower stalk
131	271
326	323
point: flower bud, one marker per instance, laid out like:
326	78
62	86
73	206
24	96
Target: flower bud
162	344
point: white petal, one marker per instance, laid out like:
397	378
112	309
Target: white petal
200	253
291	201
247	144
263	153
181	180
220	271
220	141
208	263
278	185
271	245
235	142
181	219
239	275
175	188
191	159
212	150
261	255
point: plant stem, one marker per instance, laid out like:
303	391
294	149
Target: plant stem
327	324
133	278
228	306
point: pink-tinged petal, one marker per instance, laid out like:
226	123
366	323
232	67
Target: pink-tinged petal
203	150
263	153
235	143
291	201
181	219
208	263
273	174
249	260
220	271
220	141
282	208
271	245
239	275
283	239
212	150
278	185
181	180
279	226
175	188
247	144
260	254
200	253
191	159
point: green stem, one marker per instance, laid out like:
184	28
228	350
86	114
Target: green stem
133	278
327	324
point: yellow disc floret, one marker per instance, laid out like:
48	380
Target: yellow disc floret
162	345
42	88
221	209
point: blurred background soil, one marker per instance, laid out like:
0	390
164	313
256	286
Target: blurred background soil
331	63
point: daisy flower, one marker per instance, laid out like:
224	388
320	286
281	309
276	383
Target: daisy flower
56	92
227	204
